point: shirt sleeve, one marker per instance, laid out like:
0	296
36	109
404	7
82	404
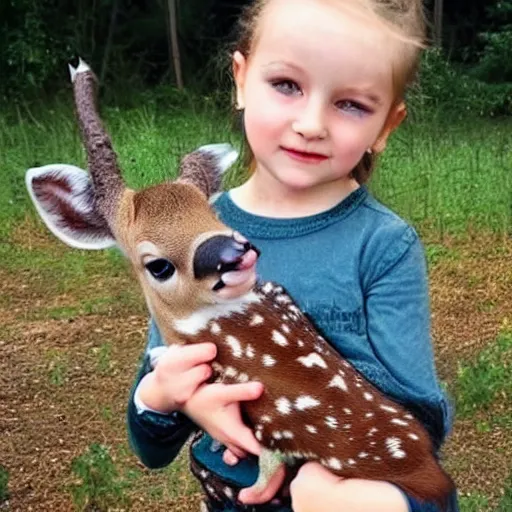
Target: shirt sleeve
398	329
155	438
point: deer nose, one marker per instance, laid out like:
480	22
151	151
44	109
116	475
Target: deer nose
220	254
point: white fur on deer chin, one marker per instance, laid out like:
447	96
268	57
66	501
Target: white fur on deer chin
198	320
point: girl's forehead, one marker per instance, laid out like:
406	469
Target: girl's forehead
319	34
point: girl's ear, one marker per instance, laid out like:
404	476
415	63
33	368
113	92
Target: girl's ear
395	117
239	73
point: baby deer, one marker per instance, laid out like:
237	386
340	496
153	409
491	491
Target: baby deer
198	278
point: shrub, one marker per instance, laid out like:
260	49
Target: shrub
444	88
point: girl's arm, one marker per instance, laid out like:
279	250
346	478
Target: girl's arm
398	330
155	438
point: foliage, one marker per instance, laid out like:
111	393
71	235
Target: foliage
99	486
495	64
479	383
442	87
473	503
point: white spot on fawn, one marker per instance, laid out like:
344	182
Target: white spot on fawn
256	320
230	372
338	382
369	415
243	377
215	328
346	410
331	422
363	455
288	434
312	429
236	347
388	408
372	431
331	445
266	419
268	360
300	343
312	359
285	328
306	402
334	463
283	405
268	287
352	462
394	445
258	435
278	338
400	422
414	437
368	396
249	351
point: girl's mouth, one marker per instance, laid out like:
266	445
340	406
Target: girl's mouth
303	156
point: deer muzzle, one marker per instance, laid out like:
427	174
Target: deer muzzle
223	255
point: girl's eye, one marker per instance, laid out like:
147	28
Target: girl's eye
286	87
352	106
161	269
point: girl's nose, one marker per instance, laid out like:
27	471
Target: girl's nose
310	123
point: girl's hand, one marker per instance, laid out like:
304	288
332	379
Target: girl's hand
216	409
315	489
311	487
178	372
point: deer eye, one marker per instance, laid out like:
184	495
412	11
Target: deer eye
161	269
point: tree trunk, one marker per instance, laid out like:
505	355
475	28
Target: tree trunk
175	50
438	23
108	44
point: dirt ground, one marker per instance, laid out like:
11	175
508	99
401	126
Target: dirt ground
65	377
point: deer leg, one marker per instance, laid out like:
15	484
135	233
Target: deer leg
269	462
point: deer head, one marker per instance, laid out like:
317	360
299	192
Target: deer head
183	256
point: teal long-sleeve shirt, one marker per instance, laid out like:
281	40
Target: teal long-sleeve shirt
358	271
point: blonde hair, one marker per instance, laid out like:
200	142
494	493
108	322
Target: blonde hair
403	19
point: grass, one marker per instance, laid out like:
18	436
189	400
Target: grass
480	382
447	179
98	485
4	480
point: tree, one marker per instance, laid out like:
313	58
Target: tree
174	46
438	22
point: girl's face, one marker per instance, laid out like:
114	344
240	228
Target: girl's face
317	92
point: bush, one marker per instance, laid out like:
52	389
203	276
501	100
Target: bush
495	64
444	88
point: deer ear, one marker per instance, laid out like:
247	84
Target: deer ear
64	198
205	166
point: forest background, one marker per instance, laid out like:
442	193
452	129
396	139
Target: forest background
74	322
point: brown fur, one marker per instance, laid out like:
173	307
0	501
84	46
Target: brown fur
348	439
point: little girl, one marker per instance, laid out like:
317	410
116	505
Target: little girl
321	84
